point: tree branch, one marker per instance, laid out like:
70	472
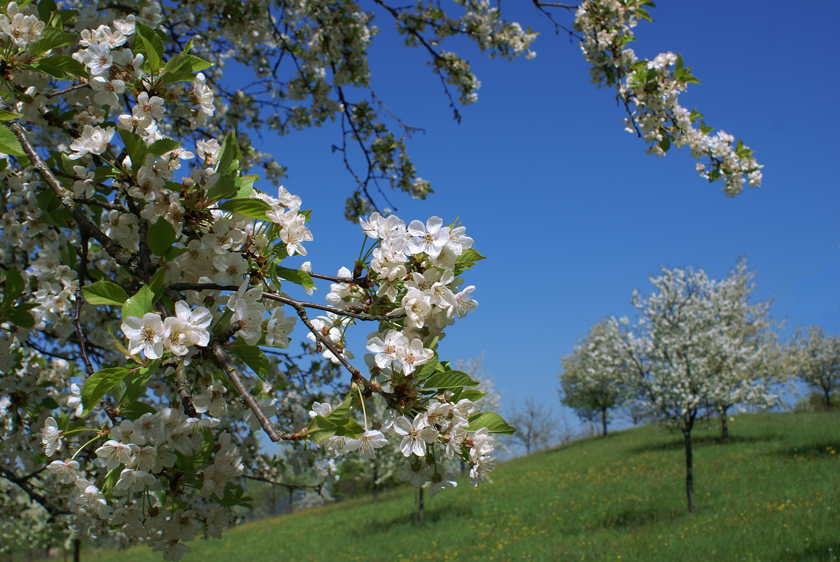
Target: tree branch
33	494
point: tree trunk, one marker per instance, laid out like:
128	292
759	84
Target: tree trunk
77	550
604	422
724	427
828	400
291	498
420	505
689	476
375	476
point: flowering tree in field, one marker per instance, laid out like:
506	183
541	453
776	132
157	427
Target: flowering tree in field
698	343
144	333
814	358
593	379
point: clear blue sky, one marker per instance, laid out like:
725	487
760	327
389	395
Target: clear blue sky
570	211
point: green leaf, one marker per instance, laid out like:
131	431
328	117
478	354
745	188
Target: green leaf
449	379
297	276
466	260
320	428
21	318
245	185
340	415
99	383
45	9
350	429
135	386
493	422
254	208
252	356
111	479
152	45
139	304
152	62
51	38
223	322
156	284
160	237
643	14
48	201
234	495
134	146
9	143
471	394
8	115
162	146
230	155
224	188
665	144
105	292
136	409
428	368
14	287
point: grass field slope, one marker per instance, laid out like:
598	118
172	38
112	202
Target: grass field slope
773	493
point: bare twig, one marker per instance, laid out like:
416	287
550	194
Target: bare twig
286	300
224	363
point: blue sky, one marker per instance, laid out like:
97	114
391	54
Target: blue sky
570	211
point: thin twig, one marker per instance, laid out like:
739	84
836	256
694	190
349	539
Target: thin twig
287	300
223	362
356	376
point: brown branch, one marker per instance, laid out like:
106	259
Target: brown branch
289	486
129	260
184	394
78	312
66	90
123	257
356	376
221	359
30	491
354	280
335	310
287	300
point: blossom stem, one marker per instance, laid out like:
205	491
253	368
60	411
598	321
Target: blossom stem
364	411
85	445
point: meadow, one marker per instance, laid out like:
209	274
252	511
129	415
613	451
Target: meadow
773	493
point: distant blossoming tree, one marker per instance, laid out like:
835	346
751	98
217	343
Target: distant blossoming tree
592	382
698	342
814	358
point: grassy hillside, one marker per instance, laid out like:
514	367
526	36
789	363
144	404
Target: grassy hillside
773	493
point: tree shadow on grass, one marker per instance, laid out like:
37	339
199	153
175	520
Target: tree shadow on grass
705	441
822	450
431	516
633	518
824	551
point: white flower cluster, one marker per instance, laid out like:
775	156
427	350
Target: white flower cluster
414	268
21	28
142	450
108	235
650	90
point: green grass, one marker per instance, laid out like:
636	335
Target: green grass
773	493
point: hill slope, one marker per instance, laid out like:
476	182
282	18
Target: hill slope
773	493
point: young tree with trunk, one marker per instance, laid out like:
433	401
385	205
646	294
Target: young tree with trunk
814	358
143	327
698	342
592	380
